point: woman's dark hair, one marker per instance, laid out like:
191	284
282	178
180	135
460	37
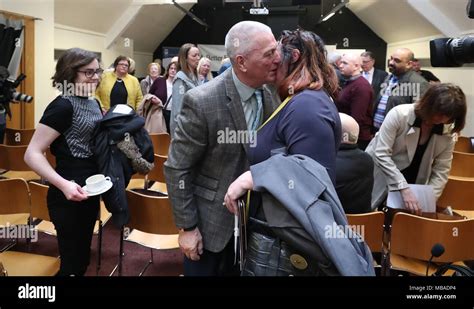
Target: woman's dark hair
182	64
69	63
167	74
312	69
121	58
445	99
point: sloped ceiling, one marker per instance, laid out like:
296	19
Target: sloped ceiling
455	10
396	20
92	15
153	24
392	20
149	27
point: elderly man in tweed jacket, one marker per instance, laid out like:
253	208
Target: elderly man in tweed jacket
209	147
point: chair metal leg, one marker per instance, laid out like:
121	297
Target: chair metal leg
10	245
150	261
119	264
99	247
28	237
13	241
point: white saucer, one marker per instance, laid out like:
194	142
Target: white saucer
108	185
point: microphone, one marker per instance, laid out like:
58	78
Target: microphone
436	251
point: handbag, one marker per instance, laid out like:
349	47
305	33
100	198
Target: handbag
167	114
154	117
268	255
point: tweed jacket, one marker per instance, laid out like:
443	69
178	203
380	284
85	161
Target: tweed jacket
393	149
206	154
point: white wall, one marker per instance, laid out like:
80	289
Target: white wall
141	63
44	46
49	36
463	76
66	37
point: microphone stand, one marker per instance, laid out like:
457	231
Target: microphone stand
428	266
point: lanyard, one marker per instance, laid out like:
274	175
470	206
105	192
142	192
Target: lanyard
280	107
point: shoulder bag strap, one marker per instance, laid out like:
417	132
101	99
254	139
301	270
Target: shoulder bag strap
167	102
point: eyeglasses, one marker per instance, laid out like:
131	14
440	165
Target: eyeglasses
124	65
90	72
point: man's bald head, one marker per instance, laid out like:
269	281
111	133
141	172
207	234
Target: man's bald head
350	129
406	54
350	65
401	61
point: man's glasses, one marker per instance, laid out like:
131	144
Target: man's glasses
89	73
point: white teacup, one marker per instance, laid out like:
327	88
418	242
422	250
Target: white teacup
96	183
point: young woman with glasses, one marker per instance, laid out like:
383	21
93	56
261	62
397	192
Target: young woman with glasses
66	127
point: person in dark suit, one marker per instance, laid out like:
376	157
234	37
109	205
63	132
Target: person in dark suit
430	77
374	76
354	170
334	59
210	145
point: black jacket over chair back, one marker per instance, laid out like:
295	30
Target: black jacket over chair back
113	128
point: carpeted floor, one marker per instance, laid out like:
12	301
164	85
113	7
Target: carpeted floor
166	263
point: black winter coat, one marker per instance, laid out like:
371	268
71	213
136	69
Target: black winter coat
113	128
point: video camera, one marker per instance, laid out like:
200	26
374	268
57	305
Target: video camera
8	93
453	52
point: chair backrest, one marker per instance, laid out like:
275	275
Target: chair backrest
464	144
39	206
18	137
12	158
414	236
458	194
371	226
462	165
150	214
15	196
157	174
161	143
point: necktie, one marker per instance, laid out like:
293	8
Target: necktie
379	115
366	75
257	110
